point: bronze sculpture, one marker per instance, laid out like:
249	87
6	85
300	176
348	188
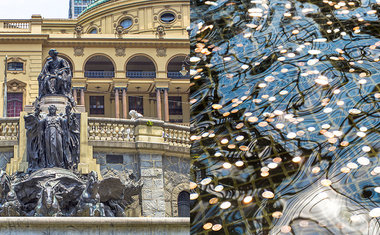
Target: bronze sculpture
55	77
52	186
53	140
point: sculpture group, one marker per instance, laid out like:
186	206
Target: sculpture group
52	186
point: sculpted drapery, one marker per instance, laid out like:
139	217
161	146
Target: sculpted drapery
53	140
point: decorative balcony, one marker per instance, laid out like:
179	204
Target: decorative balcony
99	74
178	75
141	74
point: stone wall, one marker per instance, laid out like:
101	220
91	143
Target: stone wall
164	177
153	202
5	159
176	180
130	163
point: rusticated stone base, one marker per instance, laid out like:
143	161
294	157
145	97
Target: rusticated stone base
91	225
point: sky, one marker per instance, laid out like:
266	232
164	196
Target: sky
24	9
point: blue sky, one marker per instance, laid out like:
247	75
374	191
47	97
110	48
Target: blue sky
24	9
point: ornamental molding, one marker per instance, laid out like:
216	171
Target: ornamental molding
15	85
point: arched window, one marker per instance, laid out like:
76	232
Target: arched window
184	204
141	67
93	31
99	67
176	65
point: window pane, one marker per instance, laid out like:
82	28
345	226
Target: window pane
183	204
14	104
97	105
136	103
15	66
93	31
167	17
126	23
175	105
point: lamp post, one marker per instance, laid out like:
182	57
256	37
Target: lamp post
5	87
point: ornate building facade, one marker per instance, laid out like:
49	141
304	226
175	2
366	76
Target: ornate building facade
125	55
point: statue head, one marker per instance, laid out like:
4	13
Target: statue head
52	109
53	53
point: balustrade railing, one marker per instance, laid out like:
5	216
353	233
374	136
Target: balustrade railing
111	129
99	74
176	135
108	130
141	74
16	25
178	75
9	129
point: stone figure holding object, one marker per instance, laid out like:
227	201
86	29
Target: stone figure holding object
55	77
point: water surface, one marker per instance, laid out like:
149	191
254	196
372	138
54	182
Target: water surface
285	117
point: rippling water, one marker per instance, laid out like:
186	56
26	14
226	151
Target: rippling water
285	117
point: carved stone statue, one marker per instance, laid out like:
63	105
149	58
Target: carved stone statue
135	115
52	140
55	77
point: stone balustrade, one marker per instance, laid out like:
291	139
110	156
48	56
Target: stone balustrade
15	26
122	131
110	131
9	128
176	135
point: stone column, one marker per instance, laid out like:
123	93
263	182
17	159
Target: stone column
75	94
124	102
166	105
158	97
117	107
82	96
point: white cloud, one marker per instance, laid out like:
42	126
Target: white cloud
24	9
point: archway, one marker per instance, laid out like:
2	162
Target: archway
141	67
99	66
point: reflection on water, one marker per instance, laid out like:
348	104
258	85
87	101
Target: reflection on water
285	117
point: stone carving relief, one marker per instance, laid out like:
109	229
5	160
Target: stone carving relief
161	52
78	30
120	51
78	51
160	31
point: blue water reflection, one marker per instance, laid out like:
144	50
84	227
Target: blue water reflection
285	117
